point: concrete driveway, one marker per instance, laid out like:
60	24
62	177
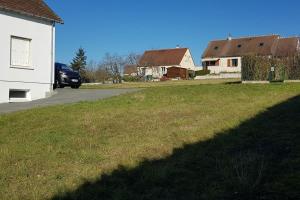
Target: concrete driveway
64	96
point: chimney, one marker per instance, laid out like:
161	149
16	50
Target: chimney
229	37
177	46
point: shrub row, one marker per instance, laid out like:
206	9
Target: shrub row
258	68
202	72
131	79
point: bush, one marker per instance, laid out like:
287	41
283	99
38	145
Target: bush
255	68
202	72
131	79
292	71
258	68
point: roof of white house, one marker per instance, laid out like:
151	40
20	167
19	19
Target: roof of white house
260	45
163	57
34	8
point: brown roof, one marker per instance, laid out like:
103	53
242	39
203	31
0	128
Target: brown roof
164	57
130	69
36	8
261	45
286	46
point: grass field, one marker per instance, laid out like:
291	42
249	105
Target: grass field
160	84
214	141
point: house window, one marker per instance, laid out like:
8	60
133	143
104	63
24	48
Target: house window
19	95
212	63
261	44
235	62
163	70
20	52
232	62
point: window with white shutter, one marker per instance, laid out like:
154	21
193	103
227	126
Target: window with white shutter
20	52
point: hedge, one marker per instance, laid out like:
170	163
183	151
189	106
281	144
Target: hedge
258	68
202	72
131	79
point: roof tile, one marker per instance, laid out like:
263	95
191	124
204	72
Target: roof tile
164	57
37	8
262	45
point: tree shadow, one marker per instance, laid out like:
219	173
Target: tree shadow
257	160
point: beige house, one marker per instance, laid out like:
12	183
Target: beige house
155	63
225	56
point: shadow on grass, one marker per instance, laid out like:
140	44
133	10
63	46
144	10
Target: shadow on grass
260	159
233	83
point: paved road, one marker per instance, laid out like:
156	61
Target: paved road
64	96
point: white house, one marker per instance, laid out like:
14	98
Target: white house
27	39
224	56
155	63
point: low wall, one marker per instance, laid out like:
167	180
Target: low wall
219	76
255	82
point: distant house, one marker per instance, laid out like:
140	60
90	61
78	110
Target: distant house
155	63
226	55
27	50
130	70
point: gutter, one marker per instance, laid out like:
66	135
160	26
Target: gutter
60	21
52	57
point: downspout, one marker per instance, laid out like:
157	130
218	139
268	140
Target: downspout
52	57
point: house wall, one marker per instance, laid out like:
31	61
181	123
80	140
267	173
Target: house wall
157	72
39	79
187	61
223	65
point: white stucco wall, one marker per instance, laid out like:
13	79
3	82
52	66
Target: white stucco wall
157	72
223	68
188	61
39	79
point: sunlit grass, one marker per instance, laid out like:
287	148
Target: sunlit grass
50	150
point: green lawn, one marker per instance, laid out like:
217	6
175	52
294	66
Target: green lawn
159	84
200	141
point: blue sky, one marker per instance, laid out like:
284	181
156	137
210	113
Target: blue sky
125	26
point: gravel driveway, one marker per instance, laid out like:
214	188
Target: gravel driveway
64	96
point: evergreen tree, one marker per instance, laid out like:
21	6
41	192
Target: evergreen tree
79	62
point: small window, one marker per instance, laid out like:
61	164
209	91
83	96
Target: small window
20	52
216	47
235	62
163	69
261	44
239	46
232	62
17	94
212	63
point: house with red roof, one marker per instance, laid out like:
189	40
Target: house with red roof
27	50
155	63
223	56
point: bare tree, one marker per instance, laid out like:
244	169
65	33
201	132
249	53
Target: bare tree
132	62
90	72
133	59
102	74
148	64
113	64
